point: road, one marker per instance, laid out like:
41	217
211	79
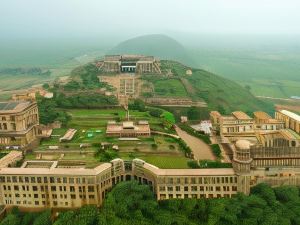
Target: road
200	149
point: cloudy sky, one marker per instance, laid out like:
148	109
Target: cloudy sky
59	18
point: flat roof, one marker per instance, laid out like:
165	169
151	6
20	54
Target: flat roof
262	115
55	171
241	115
290	134
190	172
13	106
291	115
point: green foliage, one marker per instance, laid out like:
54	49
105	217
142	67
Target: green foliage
156	112
72	86
218	91
87	215
15	217
195	133
131	203
84	100
187	150
216	150
193	113
48	112
107	155
193	164
137	104
213	164
43	219
46	86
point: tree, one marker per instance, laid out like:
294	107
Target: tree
11	219
43	219
193	113
156	112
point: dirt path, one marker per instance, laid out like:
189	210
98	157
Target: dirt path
200	149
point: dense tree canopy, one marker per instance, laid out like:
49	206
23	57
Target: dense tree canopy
134	204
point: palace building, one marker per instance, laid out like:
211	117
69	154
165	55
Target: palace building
18	123
274	159
236	124
291	120
128	129
130	64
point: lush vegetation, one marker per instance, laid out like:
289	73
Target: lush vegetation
48	112
169	88
86	100
208	164
216	150
219	93
15	217
85	77
134	204
195	133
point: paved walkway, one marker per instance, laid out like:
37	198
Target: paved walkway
200	149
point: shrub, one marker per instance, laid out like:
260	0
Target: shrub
216	150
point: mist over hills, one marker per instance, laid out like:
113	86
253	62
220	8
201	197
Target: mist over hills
158	45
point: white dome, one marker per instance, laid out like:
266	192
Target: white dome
243	144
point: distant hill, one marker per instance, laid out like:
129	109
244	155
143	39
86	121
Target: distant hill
158	45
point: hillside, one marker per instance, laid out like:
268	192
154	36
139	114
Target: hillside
158	45
219	93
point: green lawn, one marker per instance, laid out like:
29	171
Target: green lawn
167	162
169	88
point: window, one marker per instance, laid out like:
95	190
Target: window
73	196
91	196
194	188
186	188
177	188
72	189
34	188
162	188
36	196
170	188
91	189
53	188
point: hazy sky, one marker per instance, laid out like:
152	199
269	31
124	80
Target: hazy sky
76	18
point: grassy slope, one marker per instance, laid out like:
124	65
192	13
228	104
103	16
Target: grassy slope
218	92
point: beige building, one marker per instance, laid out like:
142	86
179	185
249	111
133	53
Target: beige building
291	120
236	124
47	184
128	129
264	122
18	123
279	138
130	64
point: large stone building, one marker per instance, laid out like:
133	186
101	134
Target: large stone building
291	120
130	64
44	184
128	129
48	184
239	124
236	124
18	123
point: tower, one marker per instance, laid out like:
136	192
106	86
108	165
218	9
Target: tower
241	164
